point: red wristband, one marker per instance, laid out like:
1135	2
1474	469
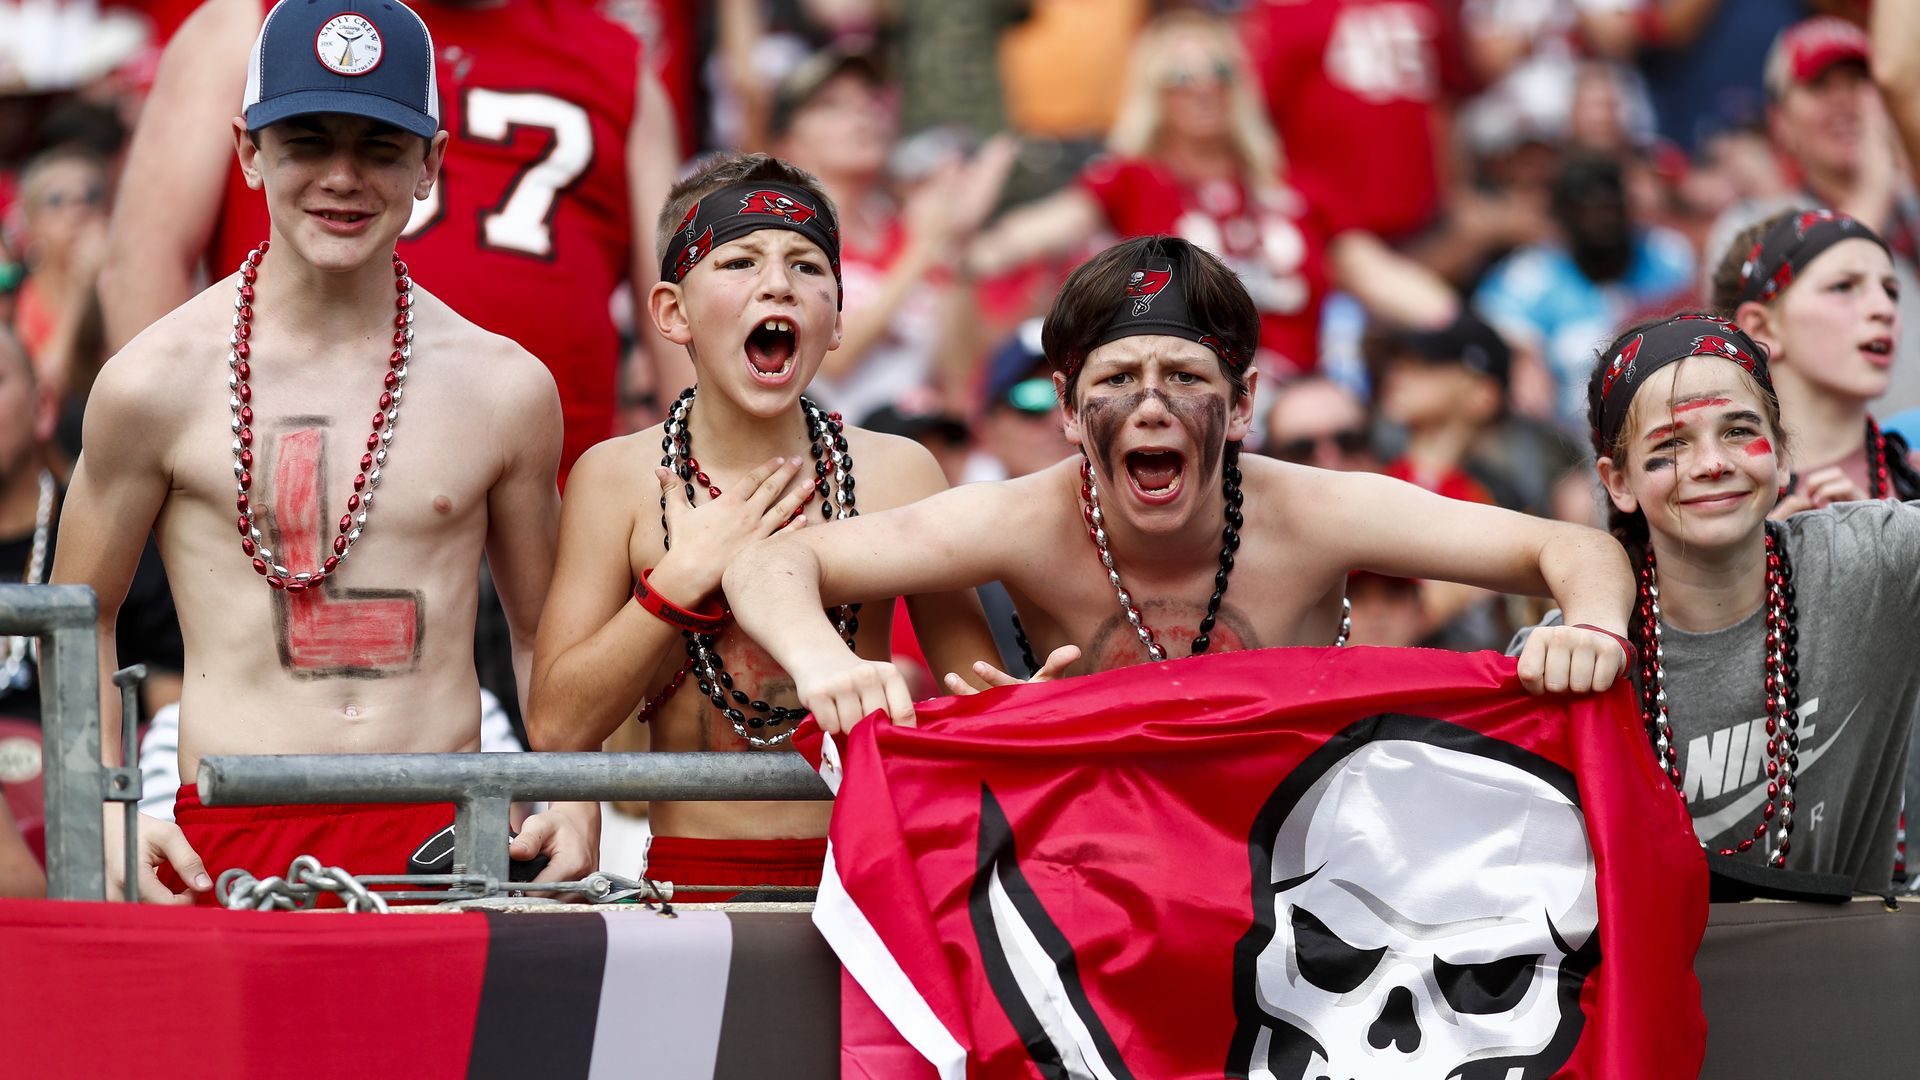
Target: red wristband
693	622
1625	645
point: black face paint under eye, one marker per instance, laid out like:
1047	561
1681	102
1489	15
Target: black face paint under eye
1657	464
1101	419
1203	416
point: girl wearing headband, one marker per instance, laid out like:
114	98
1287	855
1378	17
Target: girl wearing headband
1817	288
1774	660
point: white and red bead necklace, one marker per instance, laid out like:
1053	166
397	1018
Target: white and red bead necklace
240	401
1782	683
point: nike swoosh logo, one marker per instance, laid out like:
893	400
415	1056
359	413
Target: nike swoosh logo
1749	802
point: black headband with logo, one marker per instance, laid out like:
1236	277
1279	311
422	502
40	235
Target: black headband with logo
1793	242
738	209
1153	303
1667	343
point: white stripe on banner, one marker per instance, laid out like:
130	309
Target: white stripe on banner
866	958
662	995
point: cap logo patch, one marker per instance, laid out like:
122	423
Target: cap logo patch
1143	285
348	45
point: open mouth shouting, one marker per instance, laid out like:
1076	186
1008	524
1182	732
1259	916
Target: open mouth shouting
771	348
1878	351
1156	474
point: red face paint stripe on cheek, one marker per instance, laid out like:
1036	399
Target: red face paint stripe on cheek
1760	448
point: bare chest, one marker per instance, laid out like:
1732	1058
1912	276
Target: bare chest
1257	604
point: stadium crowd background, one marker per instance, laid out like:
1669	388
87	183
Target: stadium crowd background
1442	207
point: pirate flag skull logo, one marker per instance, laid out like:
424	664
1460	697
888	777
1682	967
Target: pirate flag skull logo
1425	908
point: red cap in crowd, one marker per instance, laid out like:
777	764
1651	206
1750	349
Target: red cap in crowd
1807	48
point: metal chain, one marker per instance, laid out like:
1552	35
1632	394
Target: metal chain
306	879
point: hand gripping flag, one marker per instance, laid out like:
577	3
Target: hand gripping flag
1269	865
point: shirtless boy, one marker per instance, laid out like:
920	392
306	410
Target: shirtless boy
324	559
750	285
1150	342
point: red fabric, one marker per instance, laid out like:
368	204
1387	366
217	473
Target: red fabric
165	993
686	860
1455	484
554	305
264	840
1277	244
1130	801
1353	87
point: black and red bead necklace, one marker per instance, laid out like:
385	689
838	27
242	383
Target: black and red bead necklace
240	402
833	483
1782	683
1880	483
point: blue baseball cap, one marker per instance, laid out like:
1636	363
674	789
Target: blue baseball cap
373	59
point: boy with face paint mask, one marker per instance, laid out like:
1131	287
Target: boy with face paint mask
1150	342
750	287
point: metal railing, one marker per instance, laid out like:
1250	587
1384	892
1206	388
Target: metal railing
482	787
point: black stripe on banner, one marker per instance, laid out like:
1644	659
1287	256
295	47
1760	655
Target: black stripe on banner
539	998
782	1015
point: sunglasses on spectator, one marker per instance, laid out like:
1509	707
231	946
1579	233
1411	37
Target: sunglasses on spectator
1349	442
1031	395
89	196
1219	71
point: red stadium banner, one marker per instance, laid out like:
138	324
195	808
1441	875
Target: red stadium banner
1278	864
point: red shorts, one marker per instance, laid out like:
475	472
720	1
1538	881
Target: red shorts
360	838
687	861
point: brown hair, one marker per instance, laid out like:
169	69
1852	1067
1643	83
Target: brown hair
1631	528
1084	308
1724	289
724	169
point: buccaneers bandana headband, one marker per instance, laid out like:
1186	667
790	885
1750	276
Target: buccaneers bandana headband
1153	303
1791	244
1662	344
749	206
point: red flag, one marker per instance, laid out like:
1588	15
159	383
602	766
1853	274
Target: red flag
1275	864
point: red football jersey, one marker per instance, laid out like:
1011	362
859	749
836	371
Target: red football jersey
1352	86
1274	242
528	232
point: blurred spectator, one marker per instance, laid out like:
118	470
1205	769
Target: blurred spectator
47	47
1558	301
1019	424
62	238
1828	123
919	418
20	873
1354	88
1830	127
1315	421
835	116
1698	60
1443	388
30	497
953	51
1065	68
1192	155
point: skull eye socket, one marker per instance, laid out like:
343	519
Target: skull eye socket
1326	961
1479	989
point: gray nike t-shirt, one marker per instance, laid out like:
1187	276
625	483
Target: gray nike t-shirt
1856	573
